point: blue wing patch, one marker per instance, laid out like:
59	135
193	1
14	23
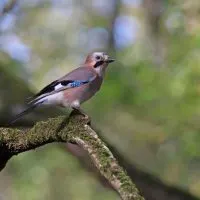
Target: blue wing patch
69	84
78	83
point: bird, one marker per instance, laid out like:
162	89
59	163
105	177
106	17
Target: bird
73	89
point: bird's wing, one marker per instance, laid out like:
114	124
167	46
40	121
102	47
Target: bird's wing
76	78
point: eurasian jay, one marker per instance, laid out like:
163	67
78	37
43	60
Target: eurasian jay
75	87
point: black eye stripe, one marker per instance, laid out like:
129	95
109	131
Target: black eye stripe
98	57
98	63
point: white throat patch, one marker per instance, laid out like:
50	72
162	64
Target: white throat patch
100	70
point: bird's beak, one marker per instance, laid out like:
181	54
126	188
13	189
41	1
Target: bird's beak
109	60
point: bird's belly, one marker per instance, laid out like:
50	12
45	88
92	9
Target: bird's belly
89	91
54	99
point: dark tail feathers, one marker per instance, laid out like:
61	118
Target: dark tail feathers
28	110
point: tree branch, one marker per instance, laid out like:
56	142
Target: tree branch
75	129
8	7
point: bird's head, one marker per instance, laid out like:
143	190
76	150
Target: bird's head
98	61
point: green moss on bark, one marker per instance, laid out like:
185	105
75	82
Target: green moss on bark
73	129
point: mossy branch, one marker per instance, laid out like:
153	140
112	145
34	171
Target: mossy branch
74	129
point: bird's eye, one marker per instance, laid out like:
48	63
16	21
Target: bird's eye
98	57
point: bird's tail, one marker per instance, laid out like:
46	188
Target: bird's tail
26	111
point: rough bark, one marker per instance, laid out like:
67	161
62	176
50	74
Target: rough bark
75	129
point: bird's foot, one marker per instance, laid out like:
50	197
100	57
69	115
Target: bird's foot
79	111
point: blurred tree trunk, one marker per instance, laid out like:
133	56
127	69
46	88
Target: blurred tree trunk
115	13
154	10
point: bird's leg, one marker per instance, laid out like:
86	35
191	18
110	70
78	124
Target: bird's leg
79	111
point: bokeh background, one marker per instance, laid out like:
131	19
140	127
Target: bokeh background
149	104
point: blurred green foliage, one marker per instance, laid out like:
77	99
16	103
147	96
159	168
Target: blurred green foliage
144	108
